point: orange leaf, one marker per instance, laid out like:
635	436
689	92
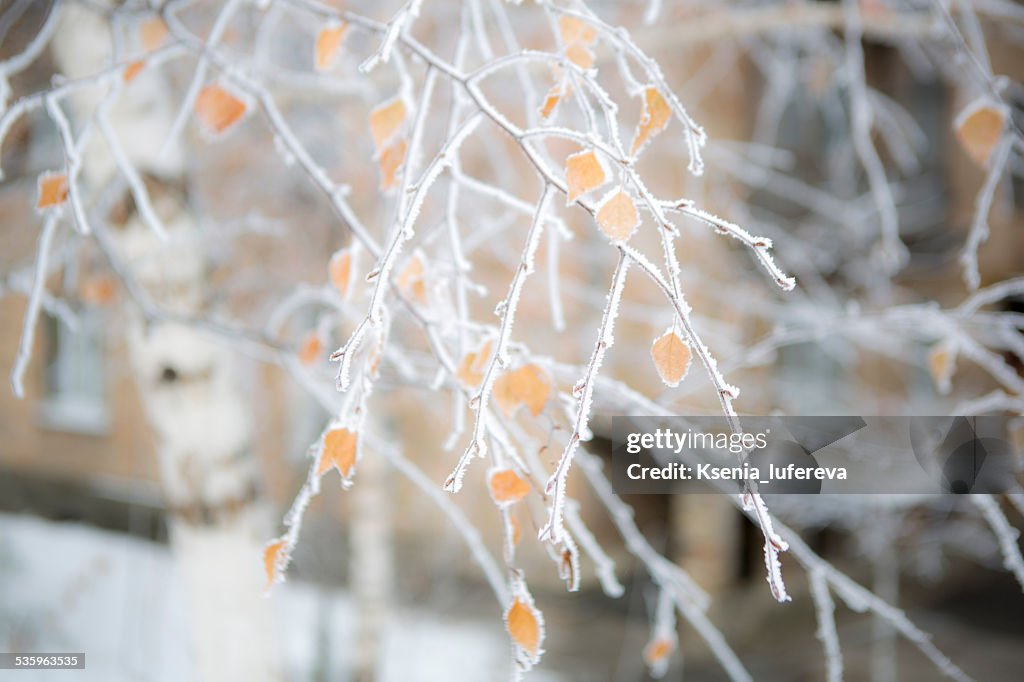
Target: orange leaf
340	271
471	370
53	190
411	281
506	486
657	651
655	118
576	31
273	559
328	40
551	101
523	623
132	70
514	522
941	365
311	349
979	128
583	172
385	121
529	385
98	290
580	55
617	216
218	109
391	160
339	451
152	33
671	357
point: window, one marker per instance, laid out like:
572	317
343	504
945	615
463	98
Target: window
75	395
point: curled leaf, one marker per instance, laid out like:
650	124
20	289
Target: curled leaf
583	172
654	119
506	486
575	31
274	558
53	190
671	357
411	280
617	216
217	109
390	162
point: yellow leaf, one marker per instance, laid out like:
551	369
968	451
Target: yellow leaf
53	190
580	55
339	451
152	33
583	172
385	121
311	349
132	70
617	216
979	129
391	160
671	357
328	40
506	486
471	370
529	385
655	118
576	31
218	109
273	559
523	624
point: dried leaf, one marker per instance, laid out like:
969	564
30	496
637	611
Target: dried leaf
516	530
529	385
671	357
523	623
551	100
152	33
576	31
339	451
53	190
311	349
617	216
655	118
471	370
411	281
132	70
941	363
328	40
580	55
506	486
583	172
391	160
273	560
340	270
657	651
979	128
218	109
98	290
385	122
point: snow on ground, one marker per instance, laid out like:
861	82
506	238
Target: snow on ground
70	587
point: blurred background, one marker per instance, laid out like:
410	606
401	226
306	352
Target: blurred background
177	389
